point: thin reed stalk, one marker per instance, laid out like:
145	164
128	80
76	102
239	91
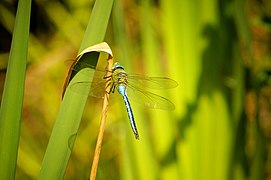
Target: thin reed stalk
98	147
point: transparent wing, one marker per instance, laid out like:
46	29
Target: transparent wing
136	84
96	87
149	99
137	80
141	81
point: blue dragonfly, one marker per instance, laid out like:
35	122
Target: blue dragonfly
128	86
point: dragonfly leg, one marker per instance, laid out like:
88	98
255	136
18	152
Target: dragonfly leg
112	90
108	84
107	77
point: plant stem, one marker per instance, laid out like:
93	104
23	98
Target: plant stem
98	147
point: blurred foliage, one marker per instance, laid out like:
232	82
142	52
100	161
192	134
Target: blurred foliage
217	50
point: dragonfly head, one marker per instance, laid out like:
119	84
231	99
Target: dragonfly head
117	66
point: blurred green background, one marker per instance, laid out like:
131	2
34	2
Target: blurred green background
218	52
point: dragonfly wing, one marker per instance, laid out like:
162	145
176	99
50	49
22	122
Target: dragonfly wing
96	87
149	99
142	82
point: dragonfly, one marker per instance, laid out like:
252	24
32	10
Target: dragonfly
129	86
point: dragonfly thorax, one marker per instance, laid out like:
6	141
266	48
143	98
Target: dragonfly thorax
119	77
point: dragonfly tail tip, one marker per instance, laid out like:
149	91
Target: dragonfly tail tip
137	136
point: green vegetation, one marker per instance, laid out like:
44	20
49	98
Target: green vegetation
69	117
12	99
218	52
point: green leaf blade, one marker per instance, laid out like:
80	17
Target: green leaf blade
12	101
